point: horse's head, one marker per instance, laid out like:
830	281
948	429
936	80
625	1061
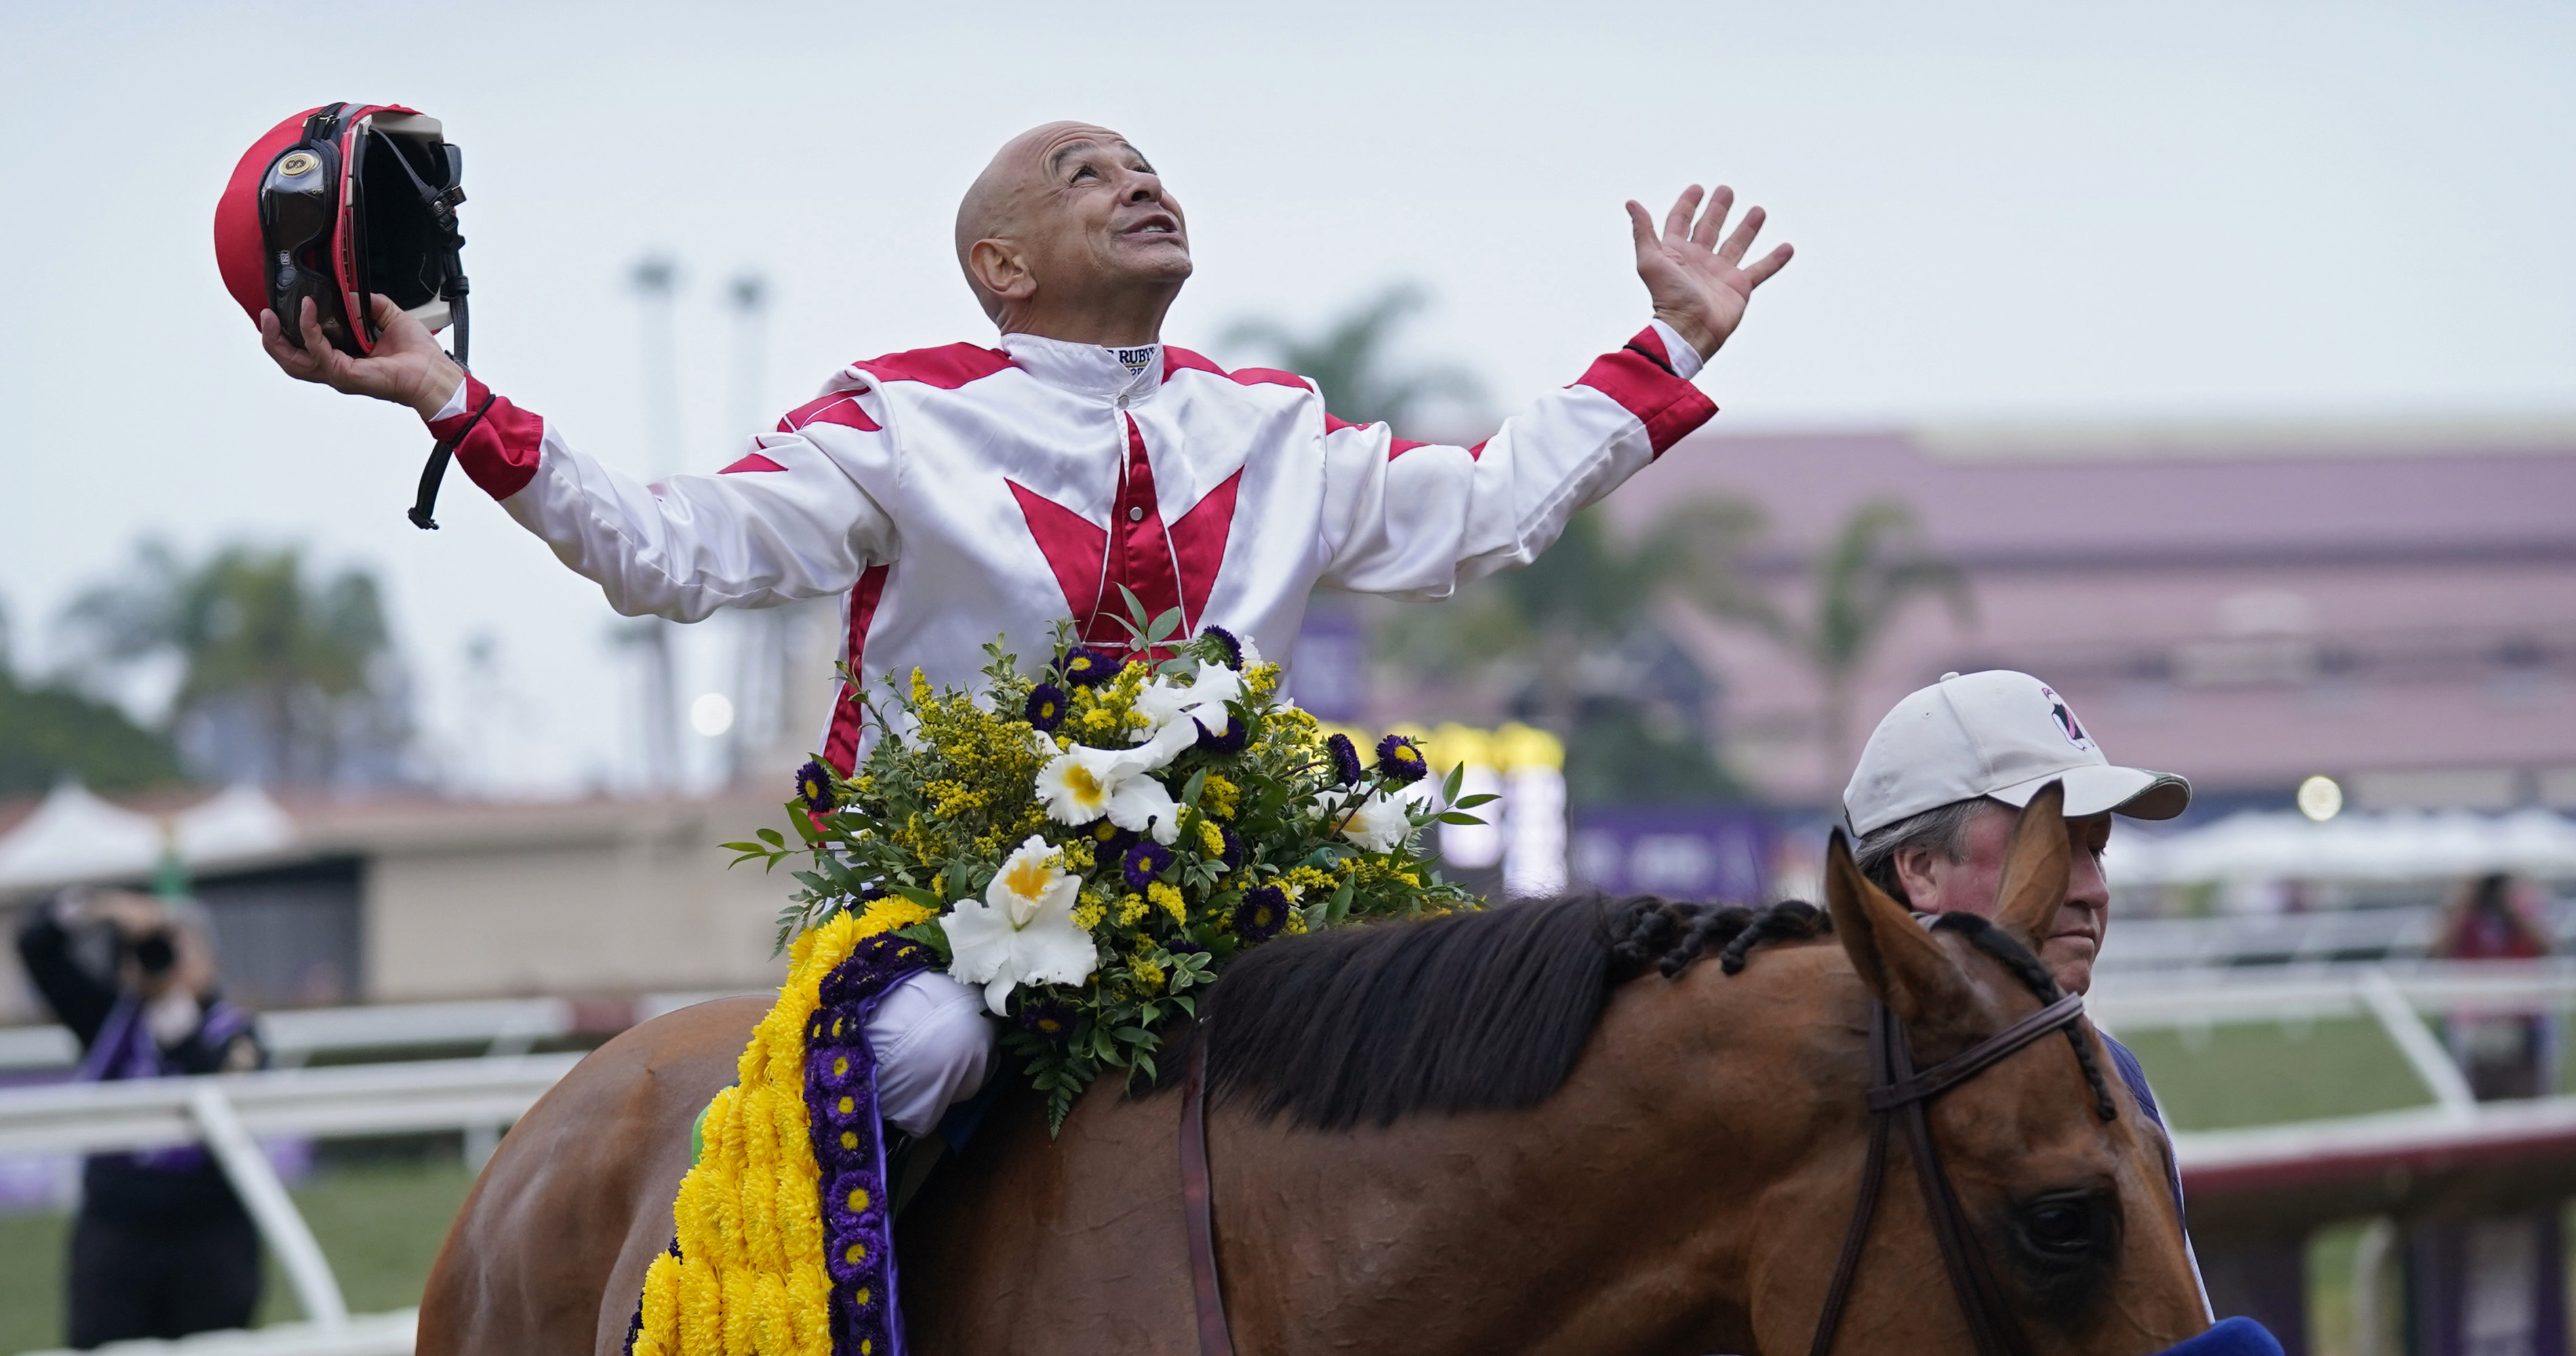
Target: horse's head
2061	1180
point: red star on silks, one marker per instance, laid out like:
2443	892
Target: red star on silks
1166	567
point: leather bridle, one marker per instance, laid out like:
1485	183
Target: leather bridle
1897	1092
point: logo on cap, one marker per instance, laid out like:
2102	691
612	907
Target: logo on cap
2066	722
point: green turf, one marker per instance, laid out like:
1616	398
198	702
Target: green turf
2264	1073
31	1280
379	1224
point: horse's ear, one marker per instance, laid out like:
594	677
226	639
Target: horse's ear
2035	869
1895	956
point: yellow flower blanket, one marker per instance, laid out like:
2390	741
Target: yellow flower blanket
783	1239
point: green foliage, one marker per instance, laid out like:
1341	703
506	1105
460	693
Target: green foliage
1348	360
251	630
1862	580
940	806
1554	630
49	732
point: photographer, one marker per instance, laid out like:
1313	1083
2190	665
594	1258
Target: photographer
162	1247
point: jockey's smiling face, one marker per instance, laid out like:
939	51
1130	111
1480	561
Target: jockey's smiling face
1935	884
1070	234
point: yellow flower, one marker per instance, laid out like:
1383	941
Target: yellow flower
1088	913
1130	910
1169	897
1210	841
890	913
1149	976
1217	796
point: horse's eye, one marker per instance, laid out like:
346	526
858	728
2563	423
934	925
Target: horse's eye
2059	1226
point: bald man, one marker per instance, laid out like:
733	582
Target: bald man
949	494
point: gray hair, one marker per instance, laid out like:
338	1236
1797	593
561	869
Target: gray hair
1944	828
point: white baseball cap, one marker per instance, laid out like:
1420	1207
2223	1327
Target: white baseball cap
2000	734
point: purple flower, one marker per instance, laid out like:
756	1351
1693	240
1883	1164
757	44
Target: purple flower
831	1070
1230	742
1111	842
1346	759
853	1202
1145	863
1399	761
853	1255
1228	648
1262	913
1046	707
1233	854
1048	1019
814	786
1088	666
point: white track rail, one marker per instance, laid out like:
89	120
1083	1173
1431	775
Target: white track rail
226	1111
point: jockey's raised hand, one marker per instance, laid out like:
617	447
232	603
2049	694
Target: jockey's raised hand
1700	287
407	368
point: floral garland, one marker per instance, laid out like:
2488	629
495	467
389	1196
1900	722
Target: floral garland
782	1242
1092	843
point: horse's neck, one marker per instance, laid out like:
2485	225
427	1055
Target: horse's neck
1624	1210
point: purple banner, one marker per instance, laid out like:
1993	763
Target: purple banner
1681	851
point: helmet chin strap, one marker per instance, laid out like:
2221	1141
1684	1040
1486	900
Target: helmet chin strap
442	201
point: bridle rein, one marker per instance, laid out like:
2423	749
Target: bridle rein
1897	1092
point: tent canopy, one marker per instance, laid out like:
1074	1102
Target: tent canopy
75	838
2388	845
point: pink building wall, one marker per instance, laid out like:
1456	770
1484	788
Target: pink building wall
2244	606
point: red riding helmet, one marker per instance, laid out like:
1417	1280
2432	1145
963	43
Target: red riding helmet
341	202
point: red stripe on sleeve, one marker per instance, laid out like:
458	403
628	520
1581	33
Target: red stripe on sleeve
754	462
841	746
501	452
1668	406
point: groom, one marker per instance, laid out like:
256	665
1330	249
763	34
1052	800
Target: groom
952	493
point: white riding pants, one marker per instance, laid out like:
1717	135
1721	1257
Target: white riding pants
934	1049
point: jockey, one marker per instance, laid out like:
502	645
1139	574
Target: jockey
1931	808
949	494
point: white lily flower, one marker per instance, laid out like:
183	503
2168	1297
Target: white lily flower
1144	805
1022	931
1166	744
1376	824
1075	786
1164	702
1083	784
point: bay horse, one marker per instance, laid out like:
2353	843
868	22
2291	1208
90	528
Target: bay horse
1538	1128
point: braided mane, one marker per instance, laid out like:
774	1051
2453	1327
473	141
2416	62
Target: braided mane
1489	1010
1475	1011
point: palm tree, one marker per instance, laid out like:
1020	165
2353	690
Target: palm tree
1349	360
49	732
279	675
1575	635
1859	583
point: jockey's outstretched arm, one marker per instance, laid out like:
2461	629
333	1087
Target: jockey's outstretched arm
1417	520
679	548
686	545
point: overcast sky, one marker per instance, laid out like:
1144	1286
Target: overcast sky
2001	212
